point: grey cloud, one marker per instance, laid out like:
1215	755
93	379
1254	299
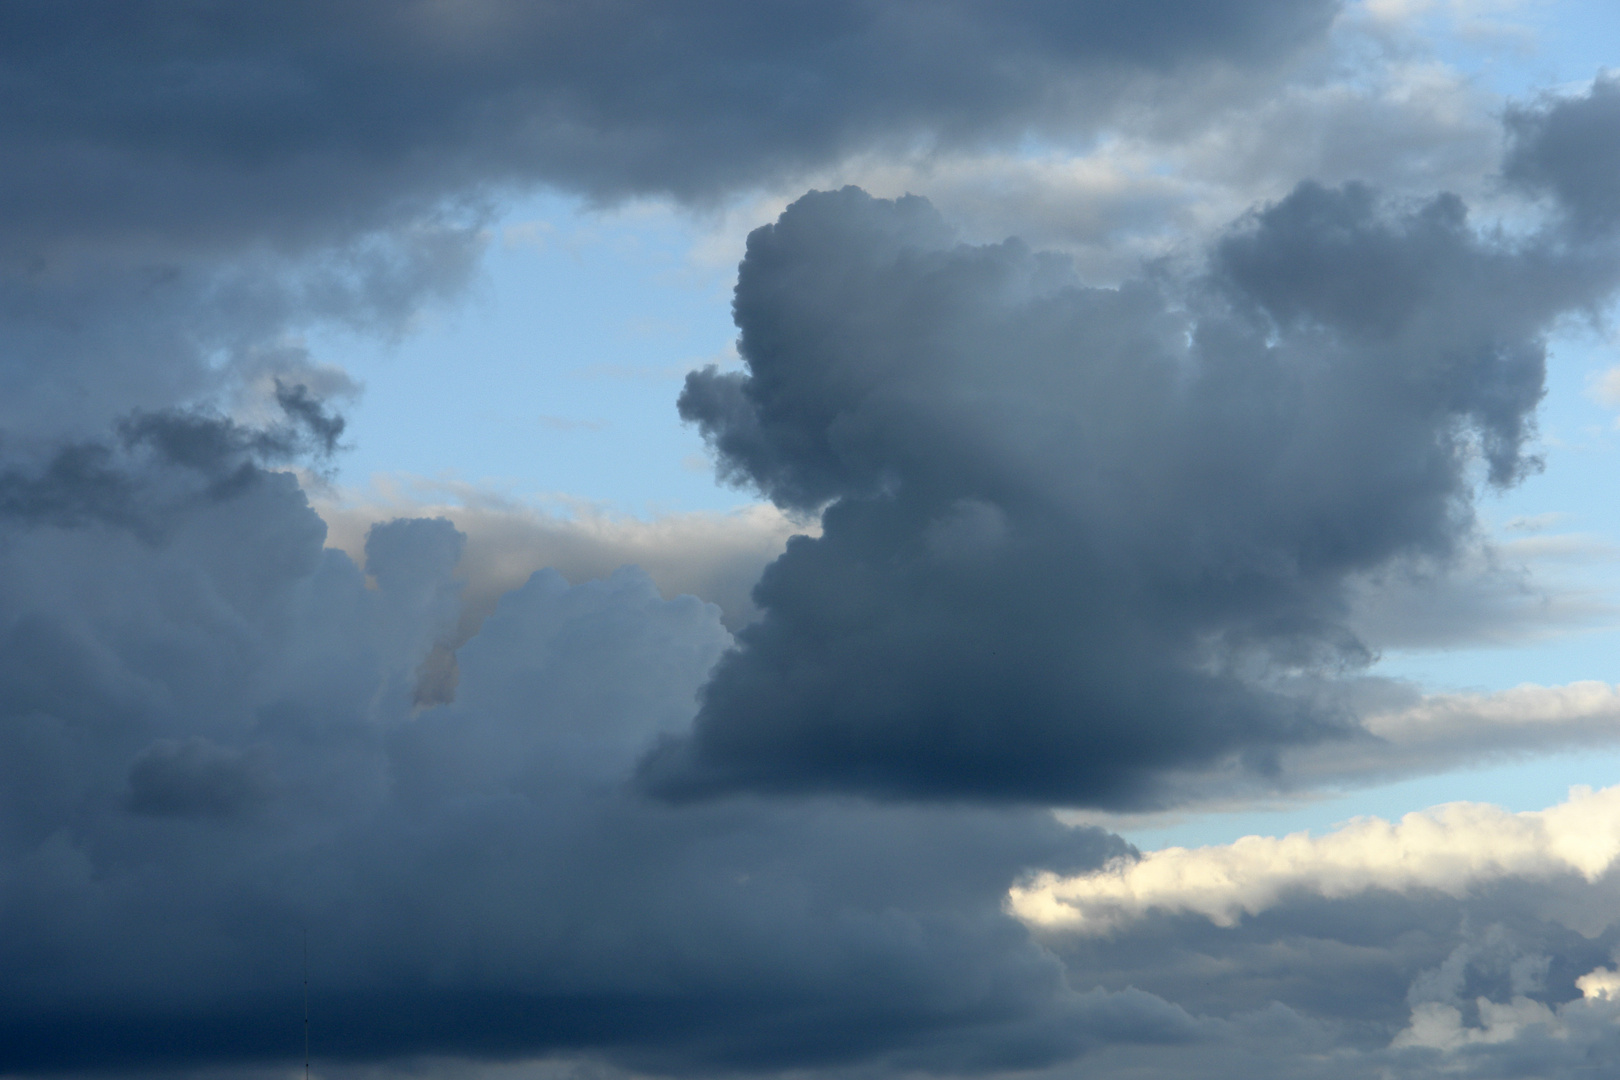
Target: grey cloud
1331	988
88	334
1187	475
322	427
227	124
188	186
211	738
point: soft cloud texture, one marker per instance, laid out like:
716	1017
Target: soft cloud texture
213	739
717	557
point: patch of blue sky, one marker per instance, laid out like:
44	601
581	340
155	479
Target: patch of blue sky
558	376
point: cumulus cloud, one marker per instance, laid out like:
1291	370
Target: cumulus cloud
1187	478
1565	147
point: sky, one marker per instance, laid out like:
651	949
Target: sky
854	539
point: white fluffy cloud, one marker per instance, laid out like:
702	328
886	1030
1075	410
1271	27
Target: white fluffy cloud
1450	848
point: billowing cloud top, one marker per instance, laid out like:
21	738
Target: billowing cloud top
1075	538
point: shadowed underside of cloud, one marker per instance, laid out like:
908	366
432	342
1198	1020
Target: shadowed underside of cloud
1075	538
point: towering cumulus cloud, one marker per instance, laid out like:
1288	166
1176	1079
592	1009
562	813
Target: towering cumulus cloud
1075	539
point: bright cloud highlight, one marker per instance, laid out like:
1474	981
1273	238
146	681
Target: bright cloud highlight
1450	848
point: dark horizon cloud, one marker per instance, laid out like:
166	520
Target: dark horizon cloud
1077	539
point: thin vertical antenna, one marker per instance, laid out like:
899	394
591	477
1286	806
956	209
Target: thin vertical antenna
306	1004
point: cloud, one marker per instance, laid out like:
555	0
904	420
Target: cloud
190	190
91	334
161	462
1403	733
1445	731
1459	941
1451	849
1565	147
1188	479
715	556
212	738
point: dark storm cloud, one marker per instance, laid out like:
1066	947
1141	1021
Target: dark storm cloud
210	740
1076	537
225	121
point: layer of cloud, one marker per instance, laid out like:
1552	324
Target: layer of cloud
1076	538
205	121
1459	941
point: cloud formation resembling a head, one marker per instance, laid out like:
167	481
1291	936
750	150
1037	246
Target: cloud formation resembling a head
1075	539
